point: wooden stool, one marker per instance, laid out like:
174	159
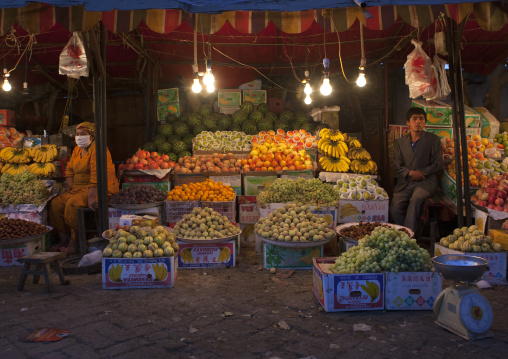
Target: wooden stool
42	261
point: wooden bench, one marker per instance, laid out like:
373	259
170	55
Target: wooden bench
43	262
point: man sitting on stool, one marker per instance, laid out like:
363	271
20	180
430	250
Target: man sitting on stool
417	160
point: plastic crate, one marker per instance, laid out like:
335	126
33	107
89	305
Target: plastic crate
227	209
176	209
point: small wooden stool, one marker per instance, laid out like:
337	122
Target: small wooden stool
42	261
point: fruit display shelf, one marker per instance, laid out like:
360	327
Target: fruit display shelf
136	206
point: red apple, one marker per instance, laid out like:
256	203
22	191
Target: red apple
502	194
491	205
165	158
164	165
130	167
172	164
492	191
134	159
498	208
499	202
493	184
492	199
482	203
138	166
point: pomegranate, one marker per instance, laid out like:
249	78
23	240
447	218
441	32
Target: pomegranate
134	159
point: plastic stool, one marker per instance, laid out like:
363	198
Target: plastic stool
42	261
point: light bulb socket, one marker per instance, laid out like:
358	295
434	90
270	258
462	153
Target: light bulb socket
326	65
307	74
209	64
361	70
195	68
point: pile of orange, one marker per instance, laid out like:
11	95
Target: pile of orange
202	191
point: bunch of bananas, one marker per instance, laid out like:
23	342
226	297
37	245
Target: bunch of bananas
330	164
46	153
115	273
45	169
332	148
224	255
331	134
372	289
359	153
160	271
15	155
186	256
14	168
353	142
364	166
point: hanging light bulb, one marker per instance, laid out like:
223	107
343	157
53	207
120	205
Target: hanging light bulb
307	89
208	79
308	100
210	88
25	88
326	88
196	86
361	81
6	86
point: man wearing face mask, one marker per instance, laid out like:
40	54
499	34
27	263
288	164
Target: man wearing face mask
80	188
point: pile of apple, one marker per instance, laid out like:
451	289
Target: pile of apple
476	148
272	156
298	139
144	160
493	194
215	163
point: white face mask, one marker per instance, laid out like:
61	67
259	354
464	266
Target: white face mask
83	141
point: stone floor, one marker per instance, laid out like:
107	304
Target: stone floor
224	313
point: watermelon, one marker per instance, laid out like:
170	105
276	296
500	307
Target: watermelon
282	125
172	157
179	146
173	138
235	127
247	107
256	116
181	129
209	122
150	147
184	153
171	118
188	140
165	147
194	120
249	127
165	129
263	108
307	126
158	139
198	129
287	116
265	125
205	110
272	116
224	123
184	118
239	117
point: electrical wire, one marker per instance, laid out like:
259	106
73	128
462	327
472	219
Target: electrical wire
392	50
340	56
251	67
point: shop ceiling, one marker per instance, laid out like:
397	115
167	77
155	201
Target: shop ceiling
243	44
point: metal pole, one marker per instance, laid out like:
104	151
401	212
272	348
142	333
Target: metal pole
456	132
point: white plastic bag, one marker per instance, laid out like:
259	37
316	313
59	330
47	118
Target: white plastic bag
419	72
443	86
90	259
73	61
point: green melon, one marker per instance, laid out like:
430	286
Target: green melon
224	123
158	139
209	122
150	147
263	108
239	117
198	129
247	107
171	118
165	147
265	125
179	146
235	127
165	129
181	129
188	140
184	153
173	138
272	116
307	126
256	116
172	156
194	120
282	125
249	127
300	118
205	110
287	116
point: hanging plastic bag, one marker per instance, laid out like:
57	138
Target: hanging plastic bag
444	87
73	62
419	72
434	85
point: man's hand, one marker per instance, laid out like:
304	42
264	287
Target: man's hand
417	176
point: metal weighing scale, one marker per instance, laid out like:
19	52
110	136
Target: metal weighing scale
461	308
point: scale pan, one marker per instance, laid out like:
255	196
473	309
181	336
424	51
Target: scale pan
459	267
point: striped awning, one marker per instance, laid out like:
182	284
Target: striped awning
38	18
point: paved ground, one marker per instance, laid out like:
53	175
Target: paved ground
188	321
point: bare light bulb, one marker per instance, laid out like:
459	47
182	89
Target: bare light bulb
326	89
210	88
196	86
208	79
6	86
308	100
307	89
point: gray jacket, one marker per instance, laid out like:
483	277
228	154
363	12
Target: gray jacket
427	158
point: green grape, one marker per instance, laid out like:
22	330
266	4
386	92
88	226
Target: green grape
23	188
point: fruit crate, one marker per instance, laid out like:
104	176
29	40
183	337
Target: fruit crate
176	209
180	179
226	208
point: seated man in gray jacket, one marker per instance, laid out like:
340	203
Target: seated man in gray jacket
417	160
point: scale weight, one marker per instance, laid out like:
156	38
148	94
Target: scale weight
461	309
